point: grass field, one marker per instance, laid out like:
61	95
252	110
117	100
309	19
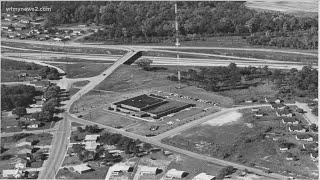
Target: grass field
80	83
242	141
258	93
64	49
82	70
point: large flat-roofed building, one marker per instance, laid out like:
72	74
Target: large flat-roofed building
154	106
140	103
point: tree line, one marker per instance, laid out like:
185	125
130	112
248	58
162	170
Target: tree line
17	96
289	83
154	21
44	71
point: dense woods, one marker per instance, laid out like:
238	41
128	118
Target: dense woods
136	22
43	71
289	83
16	96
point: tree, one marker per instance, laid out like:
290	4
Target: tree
19	111
225	171
50	105
144	63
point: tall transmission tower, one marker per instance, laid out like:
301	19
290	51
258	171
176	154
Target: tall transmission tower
177	42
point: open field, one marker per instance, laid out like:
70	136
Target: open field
80	83
258	93
63	49
81	70
132	80
247	140
11	74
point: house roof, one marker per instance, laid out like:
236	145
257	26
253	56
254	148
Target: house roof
289	119
91	145
120	167
36	164
303	136
91	137
148	169
203	176
285	111
296	128
81	167
175	173
311	146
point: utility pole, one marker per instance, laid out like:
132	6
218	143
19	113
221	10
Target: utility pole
177	42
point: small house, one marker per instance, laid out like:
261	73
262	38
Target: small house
289	157
298	128
255	109
314	155
148	170
33	126
284	113
173	173
57	39
117	168
304	137
290	120
91	137
23	143
81	168
204	176
11	173
311	146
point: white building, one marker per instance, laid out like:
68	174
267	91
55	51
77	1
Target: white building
148	170
7	173
203	176
81	168
120	168
173	173
91	137
91	145
23	143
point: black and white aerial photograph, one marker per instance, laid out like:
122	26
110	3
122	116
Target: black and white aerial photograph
159	90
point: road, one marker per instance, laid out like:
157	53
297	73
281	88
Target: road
308	115
156	142
150	47
61	139
210	60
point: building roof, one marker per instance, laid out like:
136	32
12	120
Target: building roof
141	101
91	137
203	176
175	173
284	111
120	167
289	119
10	172
23	143
24	151
303	136
311	146
148	169
296	128
91	145
81	167
36	164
